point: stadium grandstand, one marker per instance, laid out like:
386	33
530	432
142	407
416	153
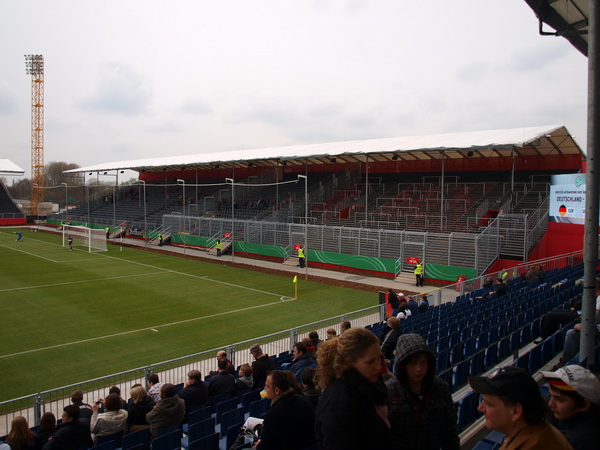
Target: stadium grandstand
10	213
468	205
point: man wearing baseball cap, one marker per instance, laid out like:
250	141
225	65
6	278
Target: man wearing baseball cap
575	403
512	404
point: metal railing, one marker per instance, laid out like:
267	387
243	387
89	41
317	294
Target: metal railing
174	371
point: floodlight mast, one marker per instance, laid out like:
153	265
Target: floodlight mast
34	66
182	182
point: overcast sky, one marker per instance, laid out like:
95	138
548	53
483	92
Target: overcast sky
131	79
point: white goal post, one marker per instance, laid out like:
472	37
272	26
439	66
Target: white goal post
92	239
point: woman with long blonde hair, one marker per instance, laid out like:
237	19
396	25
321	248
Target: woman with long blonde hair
352	412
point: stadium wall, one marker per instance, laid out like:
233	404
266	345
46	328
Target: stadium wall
13	221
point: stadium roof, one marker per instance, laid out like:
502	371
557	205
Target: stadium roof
8	167
568	17
535	141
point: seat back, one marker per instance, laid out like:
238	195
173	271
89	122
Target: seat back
210	442
136	438
168	441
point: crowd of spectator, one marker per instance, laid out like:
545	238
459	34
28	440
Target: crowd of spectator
341	394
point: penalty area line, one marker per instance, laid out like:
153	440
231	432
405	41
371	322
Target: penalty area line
124	333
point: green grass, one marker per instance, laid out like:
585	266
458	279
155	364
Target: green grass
72	316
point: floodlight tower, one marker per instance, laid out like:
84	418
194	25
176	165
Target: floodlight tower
34	66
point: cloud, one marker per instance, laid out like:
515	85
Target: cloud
7	101
120	90
168	126
196	107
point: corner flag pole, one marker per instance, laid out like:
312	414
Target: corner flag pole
296	287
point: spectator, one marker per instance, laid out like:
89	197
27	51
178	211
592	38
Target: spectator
310	348
301	358
331	333
575	404
154	387
117	390
412	306
110	422
497	292
488	283
344	326
20	436
424	306
422	412
572	338
47	429
393	301
72	434
223	355
353	392
552	320
195	392
314	338
512	404
168	412
261	365
245	379
141	404
389	337
85	410
403	311
222	382
309	386
290	410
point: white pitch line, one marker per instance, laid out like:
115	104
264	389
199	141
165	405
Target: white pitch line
66	283
28	253
153	328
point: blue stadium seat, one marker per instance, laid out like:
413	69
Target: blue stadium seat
232	433
467	410
231	418
225	406
198	430
168	441
259	407
461	374
210	442
131	440
250	397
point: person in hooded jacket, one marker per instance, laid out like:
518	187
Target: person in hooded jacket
169	410
112	421
422	412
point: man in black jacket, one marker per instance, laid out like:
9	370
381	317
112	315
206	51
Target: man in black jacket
260	367
194	392
72	434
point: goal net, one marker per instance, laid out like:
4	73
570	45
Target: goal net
92	239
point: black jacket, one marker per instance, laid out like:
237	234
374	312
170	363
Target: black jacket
289	424
71	436
260	368
136	412
582	430
347	420
194	396
221	383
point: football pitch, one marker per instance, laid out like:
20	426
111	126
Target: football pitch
73	316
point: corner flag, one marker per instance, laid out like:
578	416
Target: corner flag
295	281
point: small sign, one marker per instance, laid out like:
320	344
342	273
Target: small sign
413	260
227	235
297	246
